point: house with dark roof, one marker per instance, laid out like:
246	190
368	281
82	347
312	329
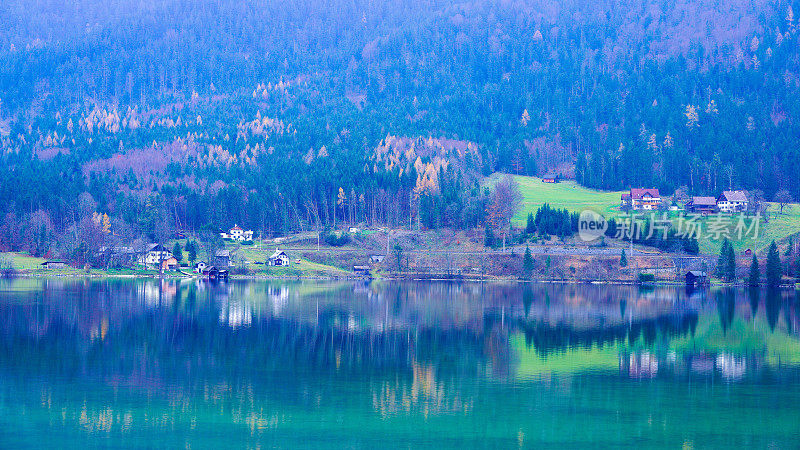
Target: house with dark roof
696	278
732	201
279	259
702	205
551	177
641	199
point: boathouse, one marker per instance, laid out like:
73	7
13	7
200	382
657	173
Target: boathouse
696	278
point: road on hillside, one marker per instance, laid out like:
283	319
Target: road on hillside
538	250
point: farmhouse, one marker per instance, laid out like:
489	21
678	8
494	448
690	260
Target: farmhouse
703	205
551	177
238	234
732	201
641	199
54	265
279	259
153	256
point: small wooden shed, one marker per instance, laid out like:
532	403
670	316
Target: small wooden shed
696	278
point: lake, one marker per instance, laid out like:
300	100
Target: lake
249	364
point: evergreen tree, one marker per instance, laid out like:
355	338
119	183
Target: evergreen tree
191	247
773	269
177	252
730	264
527	262
722	261
754	278
623	260
530	225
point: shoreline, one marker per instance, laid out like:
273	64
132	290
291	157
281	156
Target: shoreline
394	277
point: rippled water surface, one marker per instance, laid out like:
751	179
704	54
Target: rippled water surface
440	365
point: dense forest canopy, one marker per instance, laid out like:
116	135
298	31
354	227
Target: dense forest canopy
168	115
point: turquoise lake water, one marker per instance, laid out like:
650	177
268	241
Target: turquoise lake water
143	364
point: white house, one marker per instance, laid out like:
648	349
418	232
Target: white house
732	201
279	258
200	267
238	234
154	255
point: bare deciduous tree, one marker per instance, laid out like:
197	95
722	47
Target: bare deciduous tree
506	201
783	197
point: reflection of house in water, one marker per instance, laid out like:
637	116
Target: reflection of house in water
639	365
157	292
236	313
731	366
278	297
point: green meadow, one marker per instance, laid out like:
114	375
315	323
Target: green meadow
568	194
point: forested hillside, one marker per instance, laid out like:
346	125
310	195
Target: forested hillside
169	115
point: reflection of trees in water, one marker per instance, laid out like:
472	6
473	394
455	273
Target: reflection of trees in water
754	297
547	338
458	329
726	307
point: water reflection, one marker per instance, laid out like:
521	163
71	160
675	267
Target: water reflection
476	326
263	354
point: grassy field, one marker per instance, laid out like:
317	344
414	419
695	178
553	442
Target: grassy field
569	195
566	194
303	268
27	264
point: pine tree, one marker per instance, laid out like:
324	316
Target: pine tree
623	260
191	247
527	262
754	278
721	270
773	269
730	264
177	252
